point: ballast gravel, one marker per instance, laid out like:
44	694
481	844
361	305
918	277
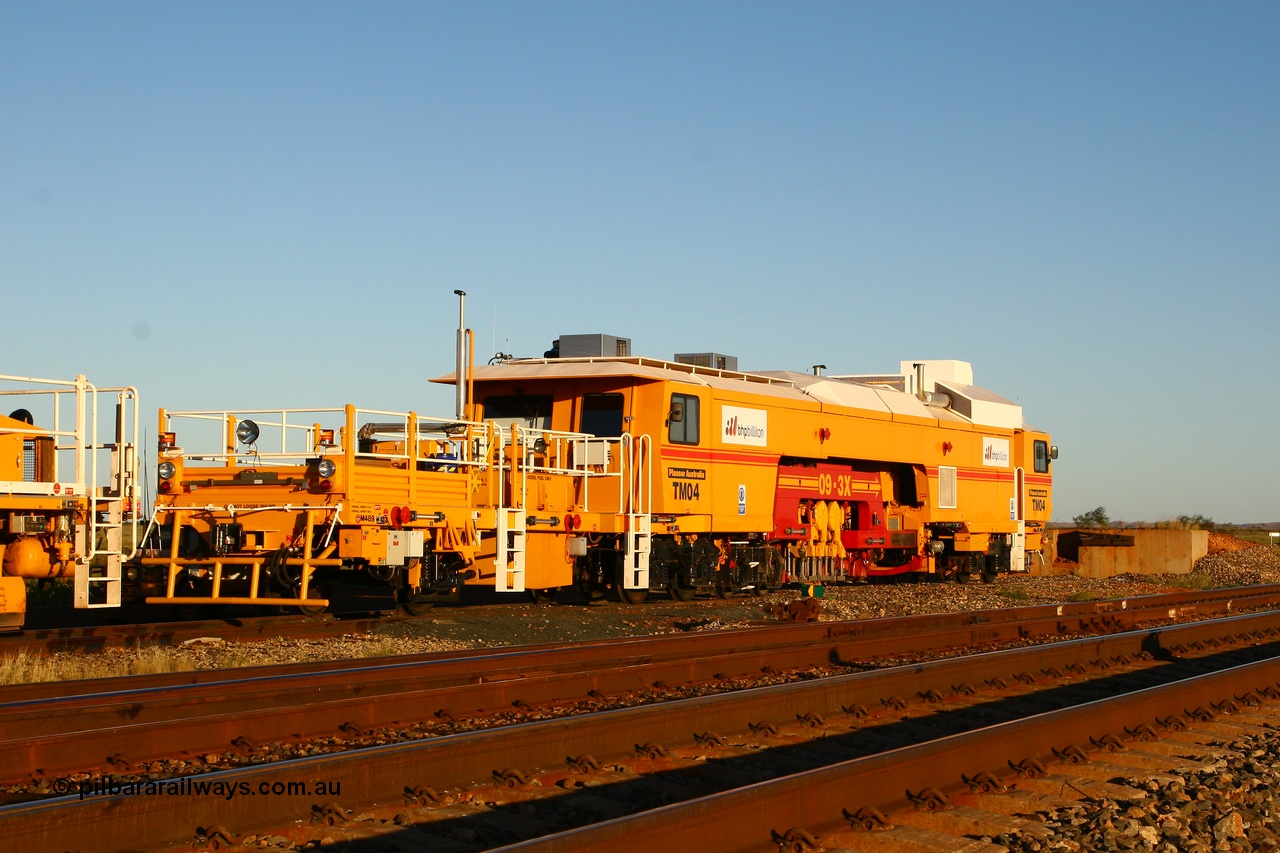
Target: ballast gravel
1232	809
515	620
1259	564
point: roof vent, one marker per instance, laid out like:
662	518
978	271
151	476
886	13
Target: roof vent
589	346
896	381
714	360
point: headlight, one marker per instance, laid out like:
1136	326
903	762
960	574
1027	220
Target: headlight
326	468
247	432
166	470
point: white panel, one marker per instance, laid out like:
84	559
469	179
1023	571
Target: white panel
995	452
939	370
739	425
849	394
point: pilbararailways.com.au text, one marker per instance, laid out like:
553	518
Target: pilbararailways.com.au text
109	786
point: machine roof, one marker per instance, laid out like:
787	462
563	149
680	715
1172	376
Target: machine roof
644	368
979	405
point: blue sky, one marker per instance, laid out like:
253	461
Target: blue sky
270	204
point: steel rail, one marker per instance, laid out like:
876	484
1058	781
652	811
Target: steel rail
99	637
816	802
1135	608
127	728
93	638
382	774
122	729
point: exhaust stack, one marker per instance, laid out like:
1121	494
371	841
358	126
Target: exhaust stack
462	371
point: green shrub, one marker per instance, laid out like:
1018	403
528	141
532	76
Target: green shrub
1188	581
1187	522
1093	518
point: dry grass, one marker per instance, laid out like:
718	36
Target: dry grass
1180	523
24	668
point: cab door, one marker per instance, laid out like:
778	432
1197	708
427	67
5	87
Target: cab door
686	474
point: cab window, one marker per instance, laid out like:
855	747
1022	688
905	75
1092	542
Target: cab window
1042	457
602	415
531	411
682	419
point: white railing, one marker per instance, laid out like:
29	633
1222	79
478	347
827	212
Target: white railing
640	492
105	468
623	458
123	489
574	454
52	420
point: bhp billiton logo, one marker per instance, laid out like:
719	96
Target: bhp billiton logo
745	426
995	452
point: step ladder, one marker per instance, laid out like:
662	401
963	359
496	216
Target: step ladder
635	552
637	488
510	559
100	543
1018	553
98	568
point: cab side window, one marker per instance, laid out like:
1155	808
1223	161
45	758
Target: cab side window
1042	457
682	419
602	415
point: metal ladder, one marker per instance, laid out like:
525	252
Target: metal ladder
637	482
99	585
635	574
1018	553
509	561
512	526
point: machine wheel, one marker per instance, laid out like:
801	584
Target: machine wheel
543	596
724	589
309	610
415	606
985	567
963	575
631	596
680	592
